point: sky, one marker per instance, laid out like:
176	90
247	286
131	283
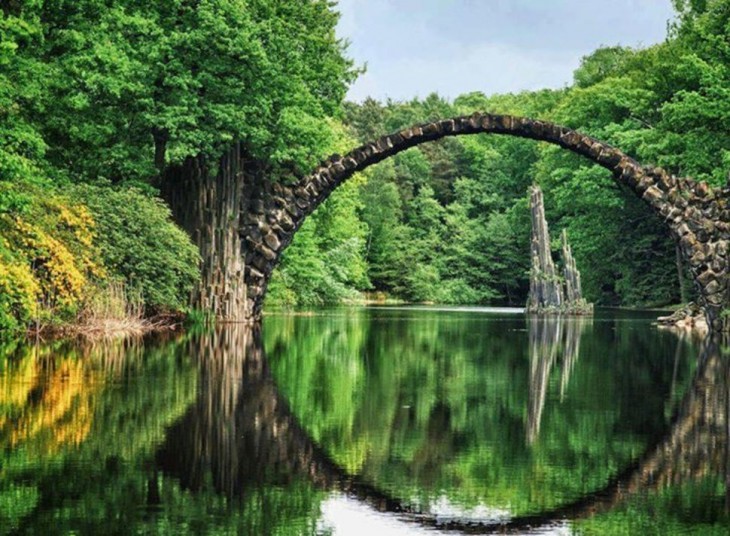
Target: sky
412	48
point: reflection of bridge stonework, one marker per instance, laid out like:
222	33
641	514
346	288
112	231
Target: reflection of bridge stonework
696	214
241	432
698	443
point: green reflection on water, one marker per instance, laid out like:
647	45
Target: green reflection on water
515	415
79	430
193	435
695	507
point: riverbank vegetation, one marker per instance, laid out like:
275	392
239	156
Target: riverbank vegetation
98	99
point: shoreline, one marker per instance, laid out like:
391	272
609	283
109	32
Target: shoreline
112	328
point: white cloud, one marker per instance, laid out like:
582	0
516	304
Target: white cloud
415	47
490	68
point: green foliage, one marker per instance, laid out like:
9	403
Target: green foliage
108	92
442	218
116	90
665	105
140	245
129	85
691	508
21	80
427	406
47	254
325	262
57	245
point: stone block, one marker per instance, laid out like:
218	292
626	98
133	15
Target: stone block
653	195
688	241
722	248
257	206
266	252
431	130
350	163
285	222
272	241
718	264
462	124
254	234
609	157
312	190
706	277
384	144
698	258
259	262
448	126
253	275
645	182
538	129
294	211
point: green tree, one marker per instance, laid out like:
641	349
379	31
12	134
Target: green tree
136	84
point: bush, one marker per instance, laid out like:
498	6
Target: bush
141	246
19	293
47	254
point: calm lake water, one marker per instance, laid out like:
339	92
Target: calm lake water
371	421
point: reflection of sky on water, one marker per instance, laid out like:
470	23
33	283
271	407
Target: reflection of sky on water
455	308
342	515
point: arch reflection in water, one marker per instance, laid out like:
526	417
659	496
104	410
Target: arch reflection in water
237	436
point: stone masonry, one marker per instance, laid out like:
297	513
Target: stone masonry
697	215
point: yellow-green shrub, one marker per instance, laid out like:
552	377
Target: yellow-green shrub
48	255
19	292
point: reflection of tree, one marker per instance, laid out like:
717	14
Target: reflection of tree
204	442
695	449
246	457
262	431
431	404
78	426
45	403
239	441
552	339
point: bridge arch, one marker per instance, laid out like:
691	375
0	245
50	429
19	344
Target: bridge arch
696	214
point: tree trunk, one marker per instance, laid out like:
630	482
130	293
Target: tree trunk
206	201
160	137
683	296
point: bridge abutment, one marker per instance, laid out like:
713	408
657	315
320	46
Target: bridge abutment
207	199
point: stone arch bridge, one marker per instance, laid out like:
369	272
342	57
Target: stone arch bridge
243	223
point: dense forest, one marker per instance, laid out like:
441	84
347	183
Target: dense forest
98	98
